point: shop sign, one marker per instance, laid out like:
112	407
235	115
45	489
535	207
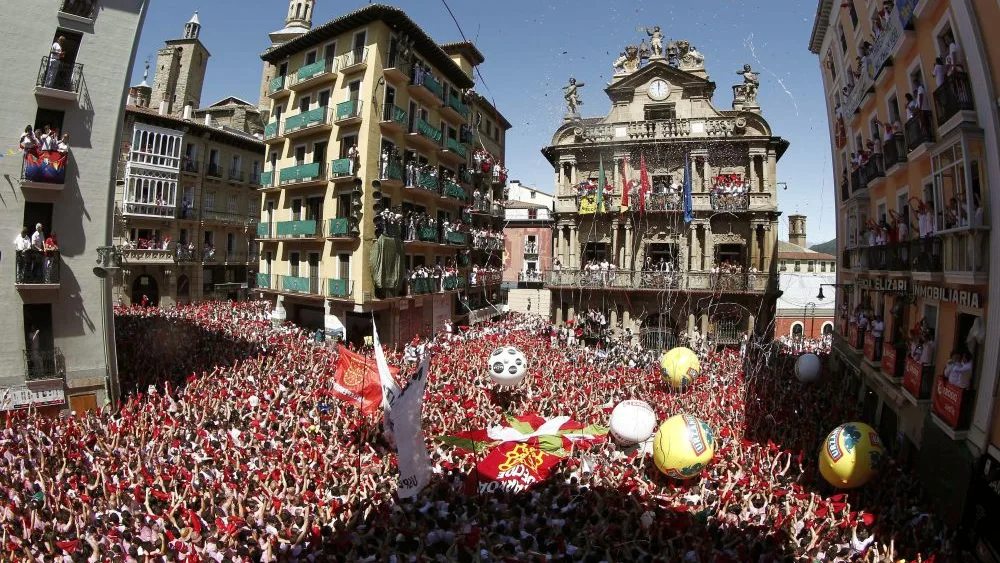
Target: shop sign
912	377
870	347
947	401
14	398
889	359
962	297
881	284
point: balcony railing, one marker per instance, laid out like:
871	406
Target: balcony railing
857	181
427	181
456	237
266	179
265	230
33	268
484	279
455	103
304	120
926	254
953	96
729	202
338	227
310	71
296	284
454	191
654	280
530	248
427	80
429	131
310	172
80	8
271	130
392	113
895	151
297	229
341	168
873	169
456	147
276	84
967	252
190	165
886	257
427	234
227	218
149	209
657	203
349	110
530	276
398	64
255	178
263	280
661	129
59	75
392	171
339	288
357	56
236	175
44	364
423	286
918	132
214	170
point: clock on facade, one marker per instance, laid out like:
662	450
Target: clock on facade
659	89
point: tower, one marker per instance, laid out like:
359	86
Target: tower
298	21
797	230
180	70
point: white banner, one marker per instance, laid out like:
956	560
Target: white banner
411	451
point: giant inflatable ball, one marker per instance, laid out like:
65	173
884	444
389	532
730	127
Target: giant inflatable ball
683	446
808	368
632	422
507	366
679	367
851	455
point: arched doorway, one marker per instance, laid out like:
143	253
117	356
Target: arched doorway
827	329
183	289
145	286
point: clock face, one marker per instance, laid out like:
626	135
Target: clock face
659	89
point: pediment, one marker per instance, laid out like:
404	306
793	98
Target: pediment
625	87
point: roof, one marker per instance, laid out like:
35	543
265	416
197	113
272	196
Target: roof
396	19
465	49
790	251
525	205
233	136
229	101
820	23
194	19
479	99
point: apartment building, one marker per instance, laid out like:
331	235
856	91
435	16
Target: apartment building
378	187
911	88
805	309
61	352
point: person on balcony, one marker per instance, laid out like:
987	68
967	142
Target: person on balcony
51	265
22	247
37	248
923	104
955	57
939	72
878	329
29	143
56	54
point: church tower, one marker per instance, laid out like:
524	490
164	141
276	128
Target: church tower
298	21
180	71
797	230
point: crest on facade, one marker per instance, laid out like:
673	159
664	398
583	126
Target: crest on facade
727	238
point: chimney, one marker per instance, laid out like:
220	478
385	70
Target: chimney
208	119
188	110
131	97
163	107
797	230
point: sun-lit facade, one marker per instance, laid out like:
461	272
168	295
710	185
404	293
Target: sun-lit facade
910	88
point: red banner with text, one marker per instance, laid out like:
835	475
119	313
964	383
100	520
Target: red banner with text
912	377
513	467
870	347
889	360
946	402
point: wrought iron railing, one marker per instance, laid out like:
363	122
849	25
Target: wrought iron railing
44	364
729	202
953	96
918	131
895	150
59	75
690	281
35	268
80	8
926	254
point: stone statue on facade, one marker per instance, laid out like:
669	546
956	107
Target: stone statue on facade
655	40
633	58
689	57
751	83
619	64
572	96
673	54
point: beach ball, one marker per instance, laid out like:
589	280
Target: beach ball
679	367
807	368
632	422
507	366
851	455
683	446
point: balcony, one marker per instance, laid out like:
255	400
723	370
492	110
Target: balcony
391	172
313	121
894	152
918	380
354	61
661	281
485	279
277	87
393	118
952	405
893	360
454	191
966	256
341	169
926	256
872	170
656	203
149	210
662	129
886	257
857	182
729	202
149	256
530	277
845	189
454	109
425	88
454	150
236	175
266	180
308	229
236	258
265	231
456	237
37	274
918	132
339	228
41	365
271	130
208	255
954	97
312	75
339	288
255	178
227	218
427	136
302	175
58	80
184	254
349	112
190	165
427	182
397	68
214	170
83	11
296	284
530	248
44	170
263	280
426	234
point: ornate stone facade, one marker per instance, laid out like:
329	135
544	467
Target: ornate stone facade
677	260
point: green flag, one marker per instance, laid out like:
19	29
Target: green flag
600	186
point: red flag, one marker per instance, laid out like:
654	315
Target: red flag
513	466
644	186
624	184
356	381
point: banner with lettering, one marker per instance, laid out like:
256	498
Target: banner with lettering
356	380
913	377
512	467
404	422
889	360
45	166
946	401
588	204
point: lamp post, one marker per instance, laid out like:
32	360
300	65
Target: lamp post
810	309
109	262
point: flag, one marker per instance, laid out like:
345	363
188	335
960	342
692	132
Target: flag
644	186
556	436
356	380
405	413
601	180
624	185
512	467
688	202
390	389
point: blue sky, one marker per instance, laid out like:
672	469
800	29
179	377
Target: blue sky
533	47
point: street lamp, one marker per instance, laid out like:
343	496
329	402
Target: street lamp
820	296
810	309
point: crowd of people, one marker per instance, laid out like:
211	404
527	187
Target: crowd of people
36	257
730	192
230	446
487	239
35	141
485	163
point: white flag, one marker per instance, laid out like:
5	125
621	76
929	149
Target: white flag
390	390
404	418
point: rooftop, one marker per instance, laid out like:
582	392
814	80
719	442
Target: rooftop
790	251
233	136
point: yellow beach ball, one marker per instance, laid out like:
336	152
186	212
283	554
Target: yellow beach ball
679	367
683	446
851	455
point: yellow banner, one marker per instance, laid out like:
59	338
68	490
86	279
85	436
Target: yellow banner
588	205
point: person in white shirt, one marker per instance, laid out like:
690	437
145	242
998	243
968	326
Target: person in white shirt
21	245
959	370
955	54
927	350
938	72
37	248
56	54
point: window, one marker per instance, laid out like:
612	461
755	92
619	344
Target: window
360	39
296	210
293	264
893	109
596	251
798	266
344	266
783	266
810	266
209	238
346	142
843	39
330	51
354	90
953	202
797	330
659	111
300	155
209	201
822	267
532	213
310	58
833	267
232	205
532	196
230	244
343	205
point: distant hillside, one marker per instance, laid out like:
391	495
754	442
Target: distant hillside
828	247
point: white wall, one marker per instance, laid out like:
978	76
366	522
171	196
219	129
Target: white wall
518	192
